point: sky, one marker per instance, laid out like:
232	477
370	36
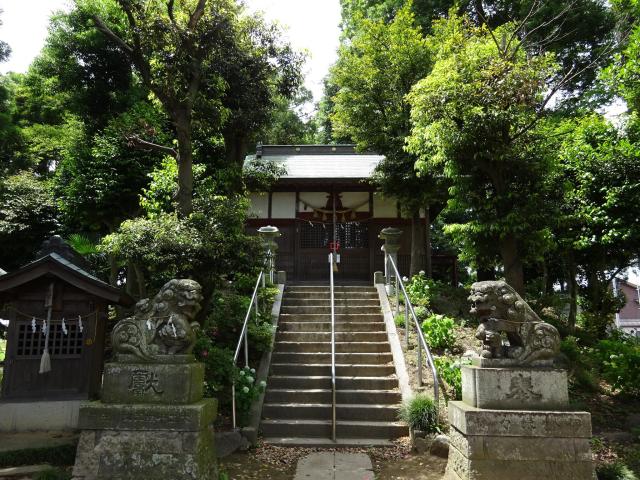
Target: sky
311	26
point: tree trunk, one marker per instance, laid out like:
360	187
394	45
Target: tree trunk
428	263
513	268
185	168
113	271
142	286
573	295
417	244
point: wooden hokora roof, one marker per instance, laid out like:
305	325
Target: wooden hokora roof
319	162
58	259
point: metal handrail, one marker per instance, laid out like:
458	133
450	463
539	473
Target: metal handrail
422	343
333	349
244	339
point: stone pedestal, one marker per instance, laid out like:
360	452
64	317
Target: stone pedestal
152	423
513	423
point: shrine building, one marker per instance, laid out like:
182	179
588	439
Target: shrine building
324	199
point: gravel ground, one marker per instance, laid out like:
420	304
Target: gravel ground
279	463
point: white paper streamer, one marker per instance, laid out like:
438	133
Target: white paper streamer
149	327
80	323
44	327
64	327
33	325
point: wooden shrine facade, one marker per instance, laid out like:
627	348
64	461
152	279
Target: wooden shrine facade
324	197
56	303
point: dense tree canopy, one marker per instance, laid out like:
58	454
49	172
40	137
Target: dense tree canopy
374	73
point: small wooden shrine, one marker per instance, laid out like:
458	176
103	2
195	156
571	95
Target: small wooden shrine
57	314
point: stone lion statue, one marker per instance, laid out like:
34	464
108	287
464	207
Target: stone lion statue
163	325
504	315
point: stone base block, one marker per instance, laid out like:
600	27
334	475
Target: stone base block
132	442
137	383
515	388
524	445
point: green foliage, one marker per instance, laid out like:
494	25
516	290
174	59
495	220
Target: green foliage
420	413
619	360
614	471
439	331
208	245
247	391
474	118
3	349
28	216
450	373
399	320
420	290
374	72
582	367
260	175
63	455
219	368
261	335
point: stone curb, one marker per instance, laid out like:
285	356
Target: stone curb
251	432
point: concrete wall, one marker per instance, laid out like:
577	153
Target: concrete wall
33	416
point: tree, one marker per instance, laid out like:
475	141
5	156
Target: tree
5	50
597	228
188	54
27	217
474	118
578	32
374	73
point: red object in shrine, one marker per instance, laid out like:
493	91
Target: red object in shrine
334	246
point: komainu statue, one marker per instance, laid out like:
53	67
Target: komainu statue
510	330
163	325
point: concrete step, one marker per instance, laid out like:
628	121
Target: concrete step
326	309
322	428
324	382
342	370
304	442
326	295
326	317
339	302
326	288
322	411
289	326
326	336
341	347
320	395
320	357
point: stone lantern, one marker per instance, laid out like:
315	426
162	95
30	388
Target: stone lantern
269	235
391	237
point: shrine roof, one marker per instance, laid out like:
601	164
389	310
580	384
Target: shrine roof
58	266
318	161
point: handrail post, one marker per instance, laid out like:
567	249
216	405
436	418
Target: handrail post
244	341
333	349
422	343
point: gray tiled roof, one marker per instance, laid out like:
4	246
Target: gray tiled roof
326	166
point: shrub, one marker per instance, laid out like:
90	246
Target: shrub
420	413
449	372
619	357
580	363
614	471
399	320
218	363
260	336
419	290
439	331
247	391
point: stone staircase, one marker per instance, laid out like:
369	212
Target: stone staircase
297	408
